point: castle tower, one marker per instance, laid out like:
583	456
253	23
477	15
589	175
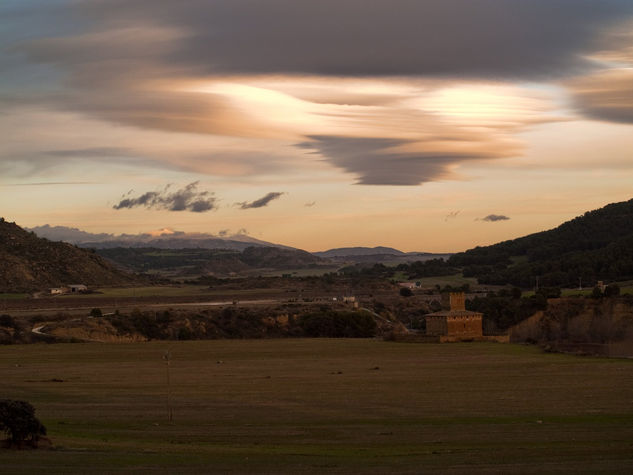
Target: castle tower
458	301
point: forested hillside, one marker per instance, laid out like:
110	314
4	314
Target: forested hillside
210	261
595	246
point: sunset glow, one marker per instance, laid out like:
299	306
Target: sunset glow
383	126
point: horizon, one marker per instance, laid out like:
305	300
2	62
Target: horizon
316	125
62	233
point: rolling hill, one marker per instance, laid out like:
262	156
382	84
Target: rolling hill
30	263
359	251
595	246
218	262
364	256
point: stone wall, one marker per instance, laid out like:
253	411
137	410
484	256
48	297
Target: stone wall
468	326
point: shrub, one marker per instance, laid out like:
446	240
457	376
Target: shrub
338	325
18	421
7	321
549	292
612	290
596	293
96	312
406	292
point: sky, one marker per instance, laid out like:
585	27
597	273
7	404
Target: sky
424	125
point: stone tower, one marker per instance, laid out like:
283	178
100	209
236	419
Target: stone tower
458	301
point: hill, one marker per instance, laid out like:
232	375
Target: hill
359	251
367	256
31	263
219	262
595	246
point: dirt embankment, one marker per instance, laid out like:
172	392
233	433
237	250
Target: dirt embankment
581	325
89	329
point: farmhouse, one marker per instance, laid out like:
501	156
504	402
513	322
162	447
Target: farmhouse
77	288
456	324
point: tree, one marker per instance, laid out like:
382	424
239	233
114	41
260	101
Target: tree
96	312
549	292
406	292
18	421
612	290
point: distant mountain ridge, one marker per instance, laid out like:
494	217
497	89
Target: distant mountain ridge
367	256
359	251
30	263
166	239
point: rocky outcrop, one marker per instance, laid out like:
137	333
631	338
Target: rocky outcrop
587	325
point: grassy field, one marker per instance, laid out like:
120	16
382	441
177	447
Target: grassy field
147	291
585	292
317	271
11	296
319	405
169	291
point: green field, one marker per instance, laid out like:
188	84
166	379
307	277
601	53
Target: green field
626	289
146	291
168	291
320	405
12	296
306	272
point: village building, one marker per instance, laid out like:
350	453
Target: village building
77	288
456	324
57	290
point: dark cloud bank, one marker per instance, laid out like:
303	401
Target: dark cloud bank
375	164
492	38
263	201
185	199
113	47
491	218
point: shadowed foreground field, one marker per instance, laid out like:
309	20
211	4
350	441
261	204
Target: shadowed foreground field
318	405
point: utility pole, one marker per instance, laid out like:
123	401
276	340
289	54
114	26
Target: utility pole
170	414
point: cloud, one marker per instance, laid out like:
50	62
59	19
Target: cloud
70	144
225	233
495	217
263	201
390	91
383	161
605	96
487	38
47	183
185	199
452	215
91	152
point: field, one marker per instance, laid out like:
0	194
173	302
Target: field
454	280
625	289
12	296
318	405
170	291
